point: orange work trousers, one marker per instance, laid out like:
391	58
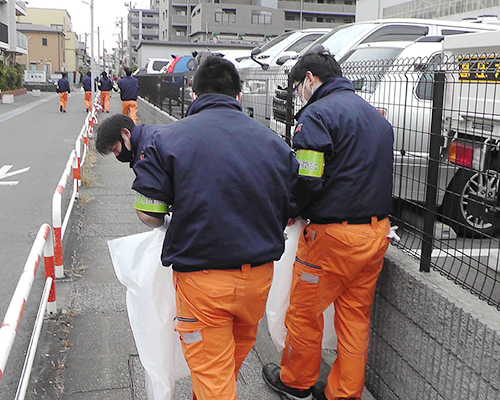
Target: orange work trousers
337	263
105	101
63	99
88	100
218	312
129	107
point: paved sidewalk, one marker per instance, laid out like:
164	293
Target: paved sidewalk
90	346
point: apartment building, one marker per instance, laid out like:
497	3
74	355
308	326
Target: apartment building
429	9
11	41
45	48
143	25
240	21
61	21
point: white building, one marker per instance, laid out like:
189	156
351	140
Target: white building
429	9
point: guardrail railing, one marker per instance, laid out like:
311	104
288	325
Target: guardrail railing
49	242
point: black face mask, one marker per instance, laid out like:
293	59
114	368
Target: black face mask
125	155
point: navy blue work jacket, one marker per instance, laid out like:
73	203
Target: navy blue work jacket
229	180
357	144
128	88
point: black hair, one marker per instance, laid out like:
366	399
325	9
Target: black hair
104	74
89	73
109	132
217	75
319	61
128	71
64	74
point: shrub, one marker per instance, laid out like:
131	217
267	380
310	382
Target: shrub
11	77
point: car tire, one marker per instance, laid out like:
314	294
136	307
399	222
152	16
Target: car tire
471	203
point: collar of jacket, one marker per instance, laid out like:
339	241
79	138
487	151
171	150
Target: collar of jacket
207	101
331	85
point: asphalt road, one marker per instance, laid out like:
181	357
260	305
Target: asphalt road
34	135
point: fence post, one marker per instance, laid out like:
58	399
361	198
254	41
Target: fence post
289	122
432	171
48	262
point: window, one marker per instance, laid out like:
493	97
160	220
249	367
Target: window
330	20
308	19
225	15
319	19
262	17
59	27
180	33
44	41
180	12
289	17
347	20
33	66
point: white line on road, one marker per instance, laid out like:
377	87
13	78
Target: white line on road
20	110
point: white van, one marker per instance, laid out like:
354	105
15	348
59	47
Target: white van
154	65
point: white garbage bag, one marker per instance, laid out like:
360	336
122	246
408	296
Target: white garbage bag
151	309
279	294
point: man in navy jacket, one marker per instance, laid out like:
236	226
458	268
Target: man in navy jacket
128	94
344	191
228	179
63	89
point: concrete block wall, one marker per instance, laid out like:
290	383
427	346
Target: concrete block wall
150	114
430	339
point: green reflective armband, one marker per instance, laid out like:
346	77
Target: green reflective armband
143	203
311	163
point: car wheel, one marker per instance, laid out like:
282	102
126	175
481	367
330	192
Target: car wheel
470	204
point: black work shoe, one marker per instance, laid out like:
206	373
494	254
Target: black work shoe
60	108
87	110
271	375
318	391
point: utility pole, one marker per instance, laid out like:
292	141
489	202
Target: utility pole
92	51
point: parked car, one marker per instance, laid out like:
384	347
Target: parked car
257	88
53	78
397	79
179	64
345	37
154	65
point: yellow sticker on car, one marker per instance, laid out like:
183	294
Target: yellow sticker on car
311	163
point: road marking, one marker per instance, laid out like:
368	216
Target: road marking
20	110
4	173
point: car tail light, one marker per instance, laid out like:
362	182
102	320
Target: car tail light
464	154
382	111
171	66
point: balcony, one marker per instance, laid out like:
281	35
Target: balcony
21	8
21	43
327	9
179	20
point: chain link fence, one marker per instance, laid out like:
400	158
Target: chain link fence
445	112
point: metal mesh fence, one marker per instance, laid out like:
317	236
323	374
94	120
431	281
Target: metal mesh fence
445	113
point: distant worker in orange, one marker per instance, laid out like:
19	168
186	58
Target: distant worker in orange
63	89
87	87
128	94
105	85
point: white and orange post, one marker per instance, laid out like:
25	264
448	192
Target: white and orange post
10	324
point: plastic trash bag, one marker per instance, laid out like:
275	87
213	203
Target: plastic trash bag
151	309
279	294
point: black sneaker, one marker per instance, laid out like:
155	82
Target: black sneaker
271	375
318	391
87	110
60	108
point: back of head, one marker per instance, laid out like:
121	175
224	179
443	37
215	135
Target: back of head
89	73
104	74
128	71
319	61
109	132
64	74
217	75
